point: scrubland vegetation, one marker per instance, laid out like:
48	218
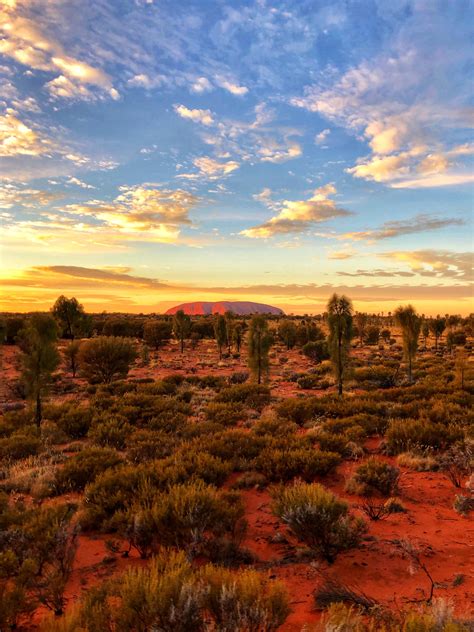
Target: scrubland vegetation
280	473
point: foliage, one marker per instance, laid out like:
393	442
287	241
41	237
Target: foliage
181	327
316	351
340	334
70	315
374	476
282	465
252	395
83	467
156	332
259	343
317	517
106	358
410	324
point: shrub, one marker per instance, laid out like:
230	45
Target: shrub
418	462
84	467
405	435
308	381
463	504
374	476
244	601
457	462
295	409
147	445
105	358
280	465
19	446
223	413
316	351
110	430
182	517
317	517
252	395
273	426
234	446
74	420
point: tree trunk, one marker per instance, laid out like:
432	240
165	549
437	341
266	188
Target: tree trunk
409	369
38	413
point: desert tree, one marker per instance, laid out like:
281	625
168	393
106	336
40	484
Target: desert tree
156	332
70	315
181	327
220	332
237	335
437	326
425	331
229	324
410	324
38	342
361	320
71	354
340	335
287	332
259	343
106	358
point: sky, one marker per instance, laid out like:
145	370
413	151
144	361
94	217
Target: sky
154	152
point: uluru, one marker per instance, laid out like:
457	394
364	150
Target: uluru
240	308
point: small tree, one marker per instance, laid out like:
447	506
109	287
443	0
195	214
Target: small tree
259	341
437	326
181	327
106	358
316	351
425	331
70	315
71	354
317	517
237	336
340	334
410	324
288	333
361	320
229	325
220	332
40	357
156	332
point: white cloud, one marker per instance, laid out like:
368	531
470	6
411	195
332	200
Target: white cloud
198	116
320	138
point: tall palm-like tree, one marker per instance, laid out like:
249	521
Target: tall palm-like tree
340	335
259	343
410	323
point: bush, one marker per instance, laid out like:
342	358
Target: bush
413	434
374	476
110	430
183	516
225	414
317	517
19	446
105	358
252	395
457	462
147	445
84	467
280	465
316	351
74	420
244	601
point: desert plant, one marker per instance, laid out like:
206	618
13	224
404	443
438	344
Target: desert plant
40	357
281	465
71	354
340	334
317	517
220	332
457	462
410	323
374	476
70	315
259	343
287	333
156	332
181	327
437	326
106	358
83	467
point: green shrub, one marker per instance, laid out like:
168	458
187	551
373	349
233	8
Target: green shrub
224	413
374	476
244	601
110	431
84	467
280	465
19	446
274	427
420	434
74	420
317	517
236	446
251	395
106	358
147	445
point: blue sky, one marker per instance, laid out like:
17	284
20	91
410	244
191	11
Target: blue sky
153	152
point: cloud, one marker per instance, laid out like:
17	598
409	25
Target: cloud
12	195
79	183
341	255
272	151
210	169
138	214
435	263
198	116
418	224
379	272
200	85
29	44
320	138
17	138
297	216
232	87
